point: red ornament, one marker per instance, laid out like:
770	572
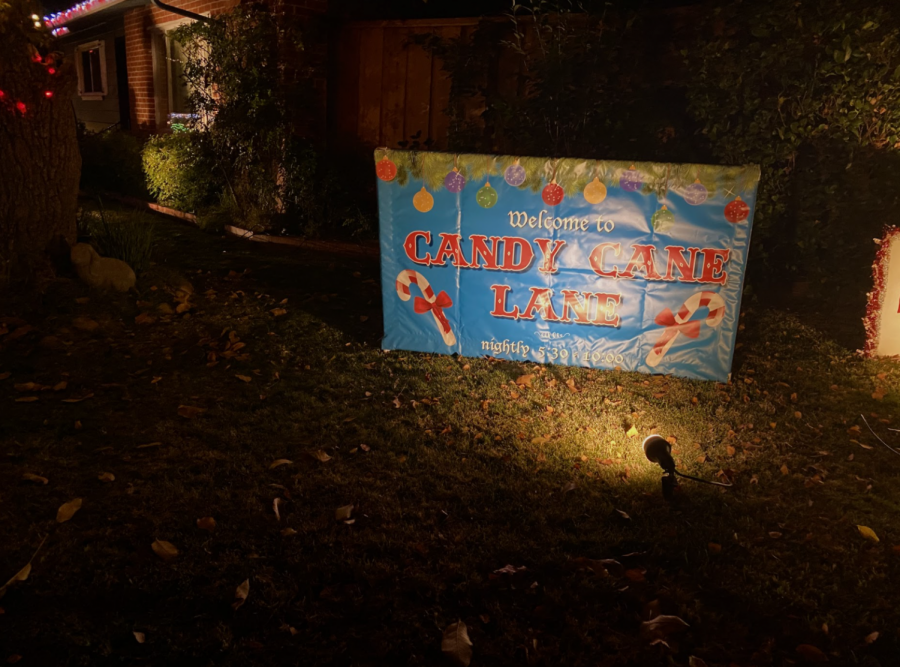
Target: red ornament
48	94
385	169
21	107
552	194
737	211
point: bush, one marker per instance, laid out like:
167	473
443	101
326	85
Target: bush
111	162
125	235
181	172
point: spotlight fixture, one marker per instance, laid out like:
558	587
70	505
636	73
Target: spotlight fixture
658	450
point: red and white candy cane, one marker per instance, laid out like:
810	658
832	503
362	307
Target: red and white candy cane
681	322
435	304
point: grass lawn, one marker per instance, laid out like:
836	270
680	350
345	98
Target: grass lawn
456	468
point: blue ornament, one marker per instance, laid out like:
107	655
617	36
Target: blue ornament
515	174
631	180
695	194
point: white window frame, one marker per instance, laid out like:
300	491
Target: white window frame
162	67
81	48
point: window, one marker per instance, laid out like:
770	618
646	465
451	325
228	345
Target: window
178	88
90	61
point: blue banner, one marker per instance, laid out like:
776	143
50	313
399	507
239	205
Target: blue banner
576	262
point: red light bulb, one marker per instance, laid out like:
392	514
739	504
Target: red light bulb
51	70
48	94
21	107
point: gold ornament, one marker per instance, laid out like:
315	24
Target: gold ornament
423	201
595	191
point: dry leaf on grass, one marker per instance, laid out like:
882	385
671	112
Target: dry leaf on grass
22	574
343	513
27	399
658	629
79	399
287	532
275	505
206	523
165	550
570	383
67	510
525	380
139	637
694	661
868	533
279	462
35	478
811	654
632	432
320	455
244	378
277	312
240	594
456	644
106	477
190	411
870	638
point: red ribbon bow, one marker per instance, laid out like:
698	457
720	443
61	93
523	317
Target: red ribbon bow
691	328
442	301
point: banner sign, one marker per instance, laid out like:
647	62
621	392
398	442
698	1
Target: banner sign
577	262
882	320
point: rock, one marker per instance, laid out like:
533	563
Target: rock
85	324
102	272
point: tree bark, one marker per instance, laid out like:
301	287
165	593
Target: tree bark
40	164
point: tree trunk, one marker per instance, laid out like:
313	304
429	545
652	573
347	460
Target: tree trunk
40	164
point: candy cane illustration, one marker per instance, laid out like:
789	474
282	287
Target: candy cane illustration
435	304
681	322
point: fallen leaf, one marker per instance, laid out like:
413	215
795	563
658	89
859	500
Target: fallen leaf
798	415
79	399
868	533
244	378
240	594
277	312
5	375
636	575
320	455
524	381
775	535
149	444
144	318
870	638
279	462
343	513
879	393
59	386
811	654
189	411
165	550
106	477
67	510
275	505
456	644
34	478
570	383
659	628
27	399
694	661
206	523
731	450
287	532
632	432
140	637
784	469
714	548
624	515
540	440
84	324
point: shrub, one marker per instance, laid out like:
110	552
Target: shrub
111	161
126	235
181	172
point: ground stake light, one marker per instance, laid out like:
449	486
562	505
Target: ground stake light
658	450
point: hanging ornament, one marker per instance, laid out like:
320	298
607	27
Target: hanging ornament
552	193
595	191
385	169
486	196
696	193
662	219
454	181
737	211
631	180
515	174
423	201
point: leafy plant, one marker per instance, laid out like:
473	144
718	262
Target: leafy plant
125	235
180	170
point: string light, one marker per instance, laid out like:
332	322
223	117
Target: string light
21	107
48	94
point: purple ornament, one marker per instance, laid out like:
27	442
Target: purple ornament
695	194
454	181
515	175
631	180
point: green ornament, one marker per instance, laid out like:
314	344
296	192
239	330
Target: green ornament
486	196
662	219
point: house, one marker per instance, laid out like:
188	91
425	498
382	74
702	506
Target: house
128	65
